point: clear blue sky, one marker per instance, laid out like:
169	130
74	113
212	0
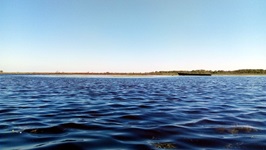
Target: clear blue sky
132	35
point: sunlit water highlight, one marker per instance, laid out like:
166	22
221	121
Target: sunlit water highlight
60	112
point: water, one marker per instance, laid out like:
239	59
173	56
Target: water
60	112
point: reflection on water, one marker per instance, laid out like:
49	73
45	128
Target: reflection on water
51	112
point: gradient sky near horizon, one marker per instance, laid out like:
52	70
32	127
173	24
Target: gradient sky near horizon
132	35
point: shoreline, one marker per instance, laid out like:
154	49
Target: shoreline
118	74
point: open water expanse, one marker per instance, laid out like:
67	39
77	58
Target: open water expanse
86	112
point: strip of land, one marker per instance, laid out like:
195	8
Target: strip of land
167	73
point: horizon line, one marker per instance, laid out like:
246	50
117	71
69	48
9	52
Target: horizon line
2	71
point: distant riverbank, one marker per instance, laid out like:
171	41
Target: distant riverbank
156	73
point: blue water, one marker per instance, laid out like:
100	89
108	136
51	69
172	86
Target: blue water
83	112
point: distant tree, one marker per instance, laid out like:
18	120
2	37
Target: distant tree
241	71
1	71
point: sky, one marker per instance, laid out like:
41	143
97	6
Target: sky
131	35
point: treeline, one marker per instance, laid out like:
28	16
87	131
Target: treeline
241	71
180	71
215	72
172	73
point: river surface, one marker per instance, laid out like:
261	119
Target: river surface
90	112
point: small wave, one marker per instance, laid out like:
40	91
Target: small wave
49	130
131	117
